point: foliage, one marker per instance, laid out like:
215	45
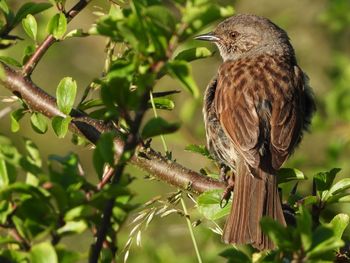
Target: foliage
42	202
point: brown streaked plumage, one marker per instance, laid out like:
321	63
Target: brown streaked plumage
255	111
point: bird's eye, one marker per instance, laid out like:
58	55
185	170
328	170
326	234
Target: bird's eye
234	34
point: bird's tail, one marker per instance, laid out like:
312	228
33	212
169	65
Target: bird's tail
255	196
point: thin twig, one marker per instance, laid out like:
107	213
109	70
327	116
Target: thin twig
29	67
130	145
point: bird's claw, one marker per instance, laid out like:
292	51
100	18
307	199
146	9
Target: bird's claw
226	195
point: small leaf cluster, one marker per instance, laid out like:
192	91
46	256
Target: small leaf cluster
50	204
146	40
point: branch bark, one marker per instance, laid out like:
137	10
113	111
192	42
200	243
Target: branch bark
145	158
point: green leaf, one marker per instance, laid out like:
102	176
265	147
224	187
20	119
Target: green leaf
158	126
18	223
193	54
324	180
66	256
289	174
278	234
209	205
304	226
10	61
162	17
324	244
200	16
73	227
340	187
38	122
15	117
30	8
339	224
162	103
60	125
33	152
30	26
2	72
76	33
57	26
28	52
181	70
201	149
4	178
104	152
9	152
88	104
79	212
43	253
235	255
4	7
65	94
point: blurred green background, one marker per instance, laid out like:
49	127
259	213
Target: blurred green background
320	33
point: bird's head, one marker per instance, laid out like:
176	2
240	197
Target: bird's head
245	34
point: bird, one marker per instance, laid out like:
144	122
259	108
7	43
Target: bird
256	110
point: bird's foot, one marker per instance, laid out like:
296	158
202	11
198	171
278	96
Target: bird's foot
223	173
226	195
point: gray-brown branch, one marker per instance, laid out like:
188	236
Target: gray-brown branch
145	158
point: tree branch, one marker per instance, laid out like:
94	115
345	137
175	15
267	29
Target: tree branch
145	158
29	67
130	145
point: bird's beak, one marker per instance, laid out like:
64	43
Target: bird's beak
207	37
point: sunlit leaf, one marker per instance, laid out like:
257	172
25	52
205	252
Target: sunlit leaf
158	126
304	226
28	52
60	125
39	122
4	178
10	61
57	26
193	54
289	174
15	118
72	227
30	26
43	253
65	94
162	103
339	224
181	70
209	205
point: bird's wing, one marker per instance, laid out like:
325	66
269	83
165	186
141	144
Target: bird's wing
258	109
234	103
287	117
